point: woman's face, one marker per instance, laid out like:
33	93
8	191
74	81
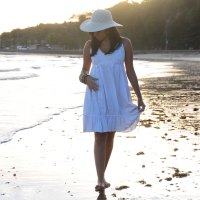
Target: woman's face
100	35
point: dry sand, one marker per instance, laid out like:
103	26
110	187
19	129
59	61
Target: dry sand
159	160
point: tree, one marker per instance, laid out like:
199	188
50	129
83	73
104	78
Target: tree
153	24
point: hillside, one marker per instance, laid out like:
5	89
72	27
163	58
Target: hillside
151	25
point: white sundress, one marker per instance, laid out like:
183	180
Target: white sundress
110	108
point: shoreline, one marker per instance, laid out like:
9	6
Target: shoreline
68	52
165	55
79	52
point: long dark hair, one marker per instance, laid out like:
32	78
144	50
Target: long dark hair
115	41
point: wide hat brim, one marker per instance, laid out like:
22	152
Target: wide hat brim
90	26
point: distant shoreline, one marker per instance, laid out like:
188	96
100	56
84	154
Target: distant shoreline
67	52
79	52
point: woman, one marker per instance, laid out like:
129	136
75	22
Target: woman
107	106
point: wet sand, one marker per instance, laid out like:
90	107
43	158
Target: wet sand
159	160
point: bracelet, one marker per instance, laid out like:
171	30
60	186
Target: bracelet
83	77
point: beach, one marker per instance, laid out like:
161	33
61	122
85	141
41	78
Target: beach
158	160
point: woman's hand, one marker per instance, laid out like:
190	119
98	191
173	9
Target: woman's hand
141	105
90	82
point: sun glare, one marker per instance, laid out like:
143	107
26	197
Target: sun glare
23	13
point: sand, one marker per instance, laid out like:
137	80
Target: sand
159	160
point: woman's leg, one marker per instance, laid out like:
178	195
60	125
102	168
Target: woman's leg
102	151
100	156
109	146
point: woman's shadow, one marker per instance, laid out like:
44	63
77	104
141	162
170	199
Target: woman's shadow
102	196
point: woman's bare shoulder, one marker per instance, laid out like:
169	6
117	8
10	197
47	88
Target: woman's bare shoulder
126	42
86	49
128	49
87	44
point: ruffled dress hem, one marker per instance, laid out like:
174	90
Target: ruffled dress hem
110	123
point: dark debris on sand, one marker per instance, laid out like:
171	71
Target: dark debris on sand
140	153
122	187
143	182
174	100
180	174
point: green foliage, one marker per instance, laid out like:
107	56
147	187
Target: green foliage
153	24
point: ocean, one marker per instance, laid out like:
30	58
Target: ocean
36	87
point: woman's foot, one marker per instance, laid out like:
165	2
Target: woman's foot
99	188
106	184
102	186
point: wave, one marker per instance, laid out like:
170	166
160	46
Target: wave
10	70
18	77
8	136
36	67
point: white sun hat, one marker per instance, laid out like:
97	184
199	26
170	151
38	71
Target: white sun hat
101	20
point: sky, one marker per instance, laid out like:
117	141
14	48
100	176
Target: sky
25	13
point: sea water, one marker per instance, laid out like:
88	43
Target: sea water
36	87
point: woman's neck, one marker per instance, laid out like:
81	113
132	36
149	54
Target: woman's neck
105	45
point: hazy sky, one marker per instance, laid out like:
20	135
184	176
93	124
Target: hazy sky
26	13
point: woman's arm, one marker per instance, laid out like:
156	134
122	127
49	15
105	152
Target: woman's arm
131	72
86	58
84	76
